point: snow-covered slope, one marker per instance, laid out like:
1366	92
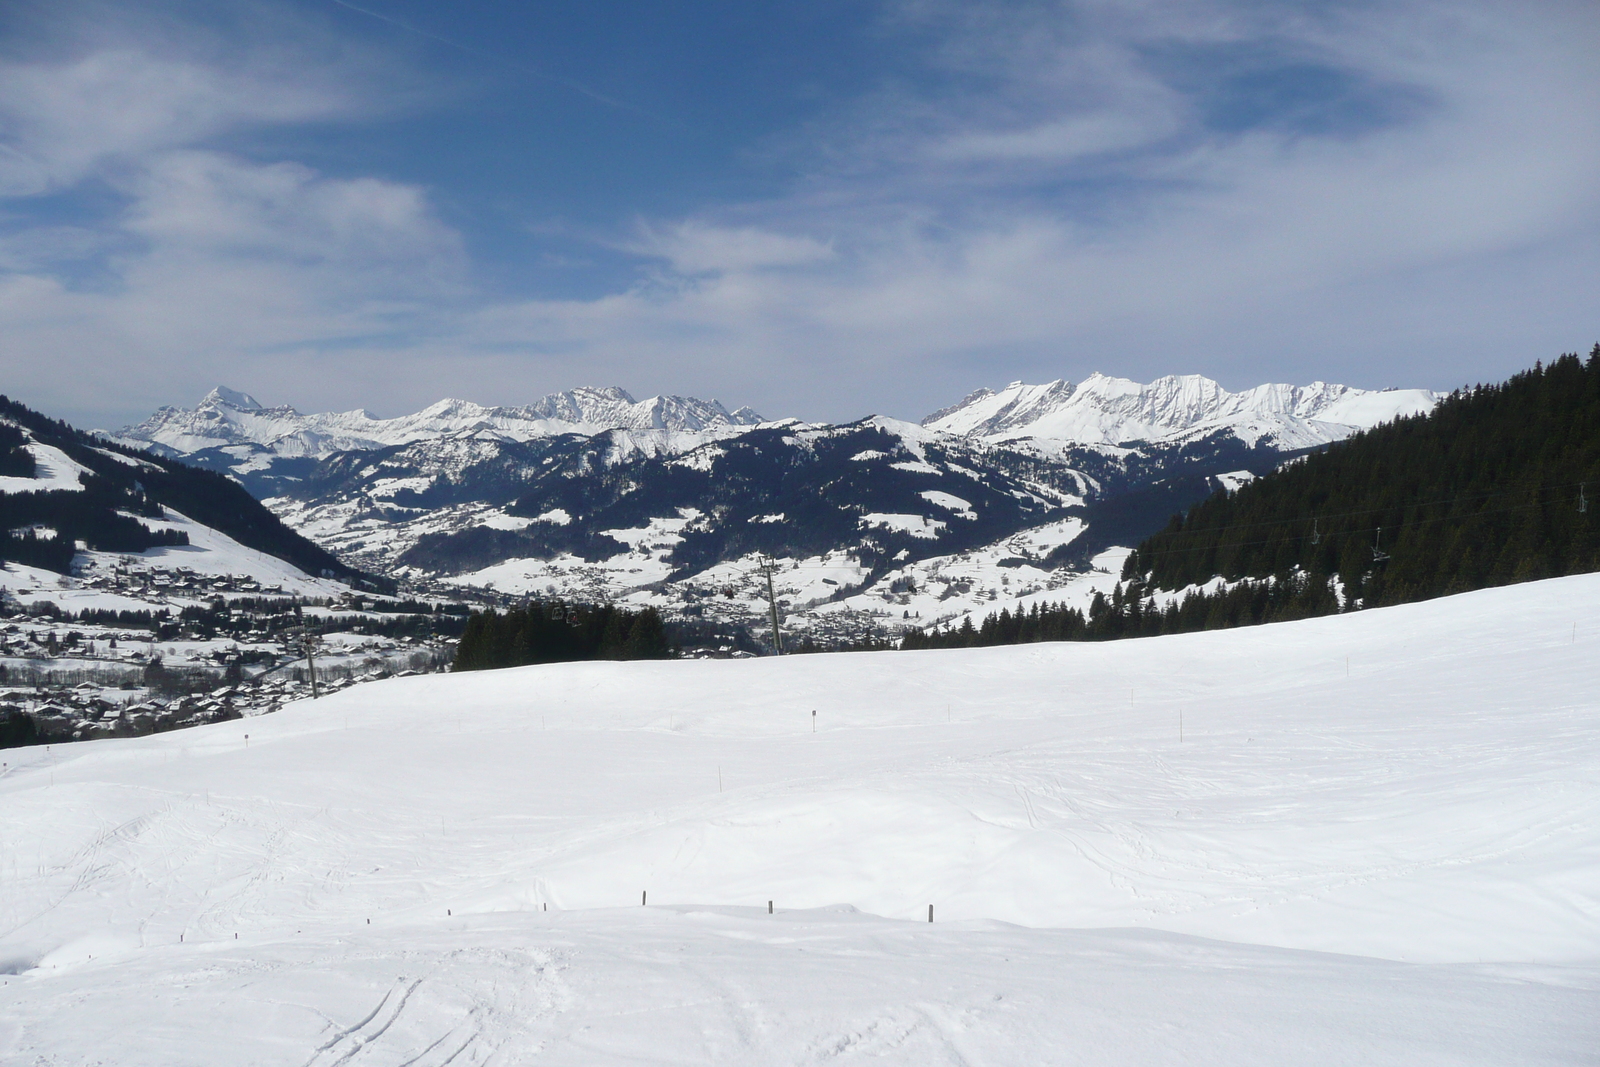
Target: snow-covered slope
87	508
1370	838
1107	410
225	419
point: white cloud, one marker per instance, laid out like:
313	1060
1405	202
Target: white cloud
1058	205
697	247
208	204
63	120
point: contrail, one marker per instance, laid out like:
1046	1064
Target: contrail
566	83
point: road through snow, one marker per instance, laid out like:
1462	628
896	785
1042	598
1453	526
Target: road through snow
1377	841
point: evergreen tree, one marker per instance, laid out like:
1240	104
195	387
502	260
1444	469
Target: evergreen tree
557	632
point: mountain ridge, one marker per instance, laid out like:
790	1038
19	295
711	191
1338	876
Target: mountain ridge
1107	410
884	518
253	436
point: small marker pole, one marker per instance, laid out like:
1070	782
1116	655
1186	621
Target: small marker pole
814	710
930	913
644	897
769	907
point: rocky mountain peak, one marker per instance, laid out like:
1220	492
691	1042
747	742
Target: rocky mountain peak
233	399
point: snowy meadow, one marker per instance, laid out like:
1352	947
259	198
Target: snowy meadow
1371	838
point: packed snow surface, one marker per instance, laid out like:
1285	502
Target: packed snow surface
1375	840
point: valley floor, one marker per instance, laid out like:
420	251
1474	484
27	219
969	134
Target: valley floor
1368	839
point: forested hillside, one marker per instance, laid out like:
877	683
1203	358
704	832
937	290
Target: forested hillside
1496	485
103	493
1499	484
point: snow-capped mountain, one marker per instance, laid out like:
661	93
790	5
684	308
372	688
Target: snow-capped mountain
225	417
1106	410
233	432
878	524
590	494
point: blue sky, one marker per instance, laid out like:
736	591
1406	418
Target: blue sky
821	209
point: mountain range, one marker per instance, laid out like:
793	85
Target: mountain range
233	432
1106	410
674	501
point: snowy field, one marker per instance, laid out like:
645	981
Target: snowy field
1376	841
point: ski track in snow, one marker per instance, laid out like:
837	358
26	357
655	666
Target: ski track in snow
1394	861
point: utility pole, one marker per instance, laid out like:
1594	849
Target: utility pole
308	645
767	567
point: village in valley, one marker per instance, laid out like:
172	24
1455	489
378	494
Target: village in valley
126	646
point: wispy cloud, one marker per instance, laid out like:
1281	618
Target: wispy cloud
1386	193
1196	187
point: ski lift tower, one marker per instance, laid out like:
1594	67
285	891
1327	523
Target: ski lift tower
304	638
768	565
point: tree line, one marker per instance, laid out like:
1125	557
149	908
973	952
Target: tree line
557	632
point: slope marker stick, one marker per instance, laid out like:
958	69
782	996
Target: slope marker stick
930	913
644	898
